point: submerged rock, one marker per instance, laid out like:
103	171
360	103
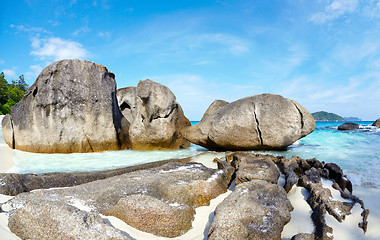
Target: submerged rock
156	119
71	107
348	126
376	123
264	121
162	198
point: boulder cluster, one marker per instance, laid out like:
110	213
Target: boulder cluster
161	198
74	106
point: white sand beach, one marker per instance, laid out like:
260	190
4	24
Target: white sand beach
300	222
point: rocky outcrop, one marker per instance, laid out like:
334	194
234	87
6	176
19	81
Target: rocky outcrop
376	123
258	208
156	119
255	166
55	220
308	173
254	210
13	183
162	198
71	107
265	121
348	126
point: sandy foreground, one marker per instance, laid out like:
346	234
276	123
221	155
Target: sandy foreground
300	221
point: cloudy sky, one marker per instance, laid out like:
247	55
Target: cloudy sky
323	53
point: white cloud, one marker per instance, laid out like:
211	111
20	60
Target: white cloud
334	10
35	71
233	44
105	35
9	73
23	28
57	49
356	96
54	23
81	31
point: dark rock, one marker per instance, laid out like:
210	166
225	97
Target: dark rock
263	121
250	166
44	219
71	107
336	174
348	126
13	183
254	210
189	185
303	236
156	119
376	123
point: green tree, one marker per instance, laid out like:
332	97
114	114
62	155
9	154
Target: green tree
10	94
3	89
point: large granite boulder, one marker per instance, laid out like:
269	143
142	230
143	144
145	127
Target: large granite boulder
156	119
71	107
160	200
264	121
348	126
376	123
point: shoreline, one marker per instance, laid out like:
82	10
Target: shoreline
300	221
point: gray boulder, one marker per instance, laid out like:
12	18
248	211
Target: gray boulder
163	198
71	107
255	166
55	220
156	119
376	123
348	126
254	210
213	108
264	121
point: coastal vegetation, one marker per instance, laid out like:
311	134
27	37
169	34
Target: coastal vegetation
325	116
11	93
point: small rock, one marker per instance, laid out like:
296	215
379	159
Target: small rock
376	123
348	126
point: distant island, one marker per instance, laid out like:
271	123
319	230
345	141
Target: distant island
325	116
352	119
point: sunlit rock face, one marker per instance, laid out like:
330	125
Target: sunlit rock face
156	119
71	107
264	121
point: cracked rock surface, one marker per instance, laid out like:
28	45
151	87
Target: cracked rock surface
71	107
160	200
156	119
265	121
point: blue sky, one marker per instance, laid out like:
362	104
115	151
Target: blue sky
325	54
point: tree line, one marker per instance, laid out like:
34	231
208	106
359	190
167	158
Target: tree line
11	93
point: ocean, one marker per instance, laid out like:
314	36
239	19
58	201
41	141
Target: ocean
357	152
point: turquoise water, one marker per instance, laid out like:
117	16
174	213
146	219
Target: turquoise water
356	151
